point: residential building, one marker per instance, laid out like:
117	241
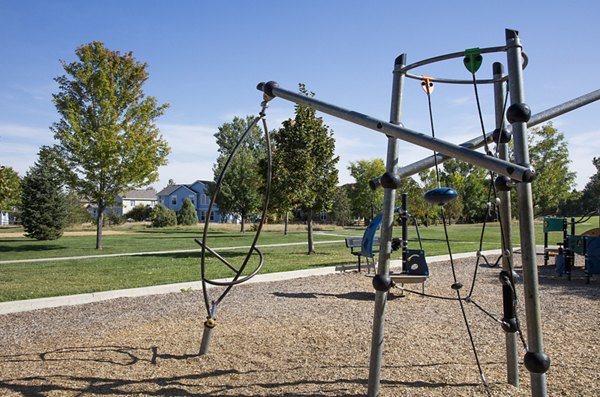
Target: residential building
126	201
173	196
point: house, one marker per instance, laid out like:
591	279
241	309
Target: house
173	196
126	201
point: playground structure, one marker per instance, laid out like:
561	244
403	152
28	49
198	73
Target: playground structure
509	173
586	245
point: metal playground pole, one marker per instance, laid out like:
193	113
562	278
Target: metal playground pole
536	361
383	267
512	352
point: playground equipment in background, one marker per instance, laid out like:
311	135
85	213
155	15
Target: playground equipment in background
586	245
414	263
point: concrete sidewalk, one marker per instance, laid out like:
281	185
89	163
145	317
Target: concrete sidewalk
45	303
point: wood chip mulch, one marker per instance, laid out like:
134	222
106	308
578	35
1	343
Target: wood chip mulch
305	337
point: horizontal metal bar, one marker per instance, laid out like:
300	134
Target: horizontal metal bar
514	171
476	143
563	108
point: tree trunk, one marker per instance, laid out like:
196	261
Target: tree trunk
101	208
287	219
311	244
243	224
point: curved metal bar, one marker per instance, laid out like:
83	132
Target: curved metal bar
236	279
209	211
264	212
453	55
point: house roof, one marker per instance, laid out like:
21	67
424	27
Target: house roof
148	194
172	188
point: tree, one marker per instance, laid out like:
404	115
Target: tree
107	134
44	211
366	202
590	195
77	214
304	164
187	214
341	211
240	191
163	216
417	207
10	189
549	156
472	185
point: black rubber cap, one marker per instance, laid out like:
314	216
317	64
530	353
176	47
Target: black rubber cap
375	183
382	283
518	113
503	183
498	68
509	325
267	88
537	362
390	181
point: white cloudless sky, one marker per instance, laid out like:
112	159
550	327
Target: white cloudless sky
205	59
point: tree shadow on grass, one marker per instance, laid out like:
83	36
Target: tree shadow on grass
28	247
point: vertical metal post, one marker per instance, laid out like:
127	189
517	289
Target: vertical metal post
526	227
383	267
512	359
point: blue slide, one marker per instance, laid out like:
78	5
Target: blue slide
369	235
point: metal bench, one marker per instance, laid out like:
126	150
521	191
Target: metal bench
355	245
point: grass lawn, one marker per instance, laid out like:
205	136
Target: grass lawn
65	277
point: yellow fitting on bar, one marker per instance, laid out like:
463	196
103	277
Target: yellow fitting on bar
210	322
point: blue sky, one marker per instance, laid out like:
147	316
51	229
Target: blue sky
205	59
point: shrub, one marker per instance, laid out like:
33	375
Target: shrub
140	213
188	214
163	216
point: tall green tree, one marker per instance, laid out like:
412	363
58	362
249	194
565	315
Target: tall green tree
590	195
341	211
417	207
472	185
10	189
240	192
304	164
366	203
549	156
107	134
44	211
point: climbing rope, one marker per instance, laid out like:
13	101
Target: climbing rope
427	85
472	62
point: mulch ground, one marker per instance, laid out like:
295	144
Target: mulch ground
305	337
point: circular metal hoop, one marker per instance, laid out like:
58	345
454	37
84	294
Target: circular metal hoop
453	55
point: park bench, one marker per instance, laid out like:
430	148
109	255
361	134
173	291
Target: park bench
355	245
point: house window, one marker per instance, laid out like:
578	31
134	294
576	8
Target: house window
202	215
193	198
323	216
173	200
212	216
132	203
